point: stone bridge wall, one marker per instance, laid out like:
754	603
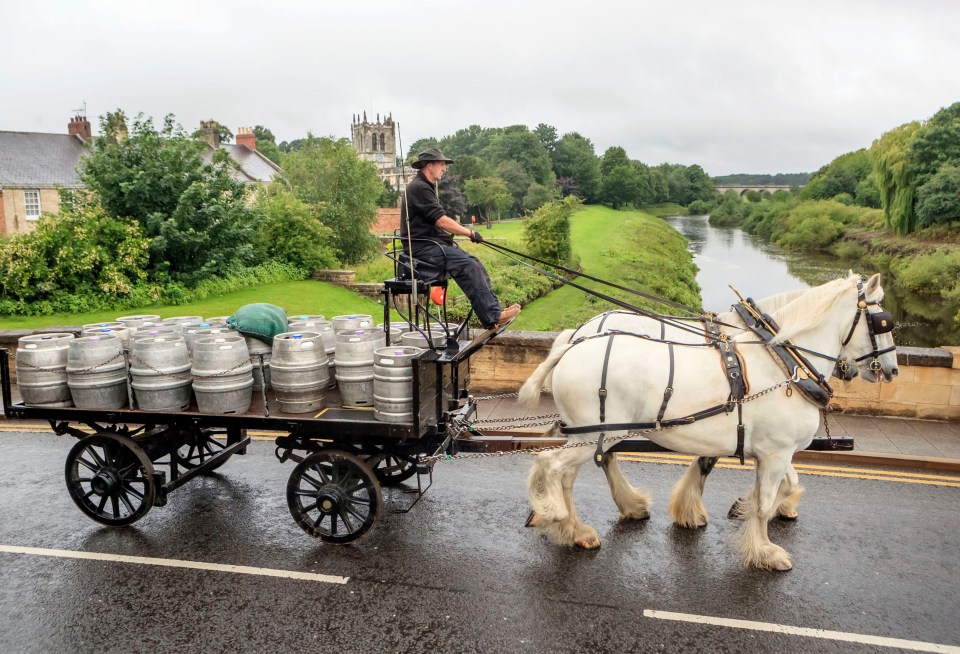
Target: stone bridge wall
928	385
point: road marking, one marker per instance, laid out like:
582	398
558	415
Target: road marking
824	471
175	563
863	639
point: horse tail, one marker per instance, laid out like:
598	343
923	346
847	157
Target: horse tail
530	391
562	339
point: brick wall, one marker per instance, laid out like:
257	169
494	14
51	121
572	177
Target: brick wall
387	221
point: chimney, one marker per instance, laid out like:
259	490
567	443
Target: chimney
80	126
210	132
245	136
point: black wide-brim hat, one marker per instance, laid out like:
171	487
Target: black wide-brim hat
429	156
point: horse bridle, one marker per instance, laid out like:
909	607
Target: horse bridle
880	322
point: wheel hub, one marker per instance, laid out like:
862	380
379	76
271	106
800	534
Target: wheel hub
106	481
329	499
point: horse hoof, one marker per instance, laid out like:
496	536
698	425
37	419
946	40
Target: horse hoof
782	566
592	543
736	511
531	520
788	517
635	515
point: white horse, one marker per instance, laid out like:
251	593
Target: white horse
821	320
685	505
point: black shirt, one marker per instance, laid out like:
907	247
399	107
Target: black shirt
425	211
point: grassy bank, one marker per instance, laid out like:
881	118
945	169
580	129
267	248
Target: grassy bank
301	297
632	248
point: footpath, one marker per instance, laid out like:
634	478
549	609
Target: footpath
878	440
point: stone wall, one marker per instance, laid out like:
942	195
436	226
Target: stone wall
928	385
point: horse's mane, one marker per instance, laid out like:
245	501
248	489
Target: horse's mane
810	309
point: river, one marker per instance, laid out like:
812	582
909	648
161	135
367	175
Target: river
757	268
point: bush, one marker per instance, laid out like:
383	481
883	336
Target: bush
700	207
290	232
546	233
935	273
83	252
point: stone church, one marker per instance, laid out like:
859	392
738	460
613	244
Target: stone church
377	143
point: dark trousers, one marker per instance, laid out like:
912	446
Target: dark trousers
470	276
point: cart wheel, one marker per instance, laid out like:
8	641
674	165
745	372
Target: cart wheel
334	496
200	447
111	479
392	469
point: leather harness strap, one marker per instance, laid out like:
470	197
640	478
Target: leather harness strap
599	457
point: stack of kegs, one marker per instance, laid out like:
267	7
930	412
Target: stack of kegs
191	334
352	322
299	371
115	327
222	374
132	322
260	354
42	370
182	323
437	336
97	372
354	360
160	368
325	329
393	383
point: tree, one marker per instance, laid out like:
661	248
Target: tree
548	138
613	157
267	144
194	213
488	193
697	185
517	180
345	189
938	201
538	195
574	157
891	158
388	196
621	186
451	196
935	144
519	144
469	167
419	146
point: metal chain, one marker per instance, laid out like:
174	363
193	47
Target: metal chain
160	372
495	397
541	417
81	371
566	446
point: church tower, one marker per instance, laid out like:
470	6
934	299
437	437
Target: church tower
376	142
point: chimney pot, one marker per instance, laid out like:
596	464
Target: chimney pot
247	138
80	126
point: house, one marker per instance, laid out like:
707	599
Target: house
33	167
254	167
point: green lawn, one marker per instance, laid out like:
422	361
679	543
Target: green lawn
632	248
296	297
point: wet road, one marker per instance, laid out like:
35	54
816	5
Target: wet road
459	573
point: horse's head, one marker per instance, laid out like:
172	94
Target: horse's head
869	342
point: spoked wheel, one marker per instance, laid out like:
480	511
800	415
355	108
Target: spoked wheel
334	496
392	469
111	479
200	447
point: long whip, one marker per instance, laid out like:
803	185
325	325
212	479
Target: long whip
406	212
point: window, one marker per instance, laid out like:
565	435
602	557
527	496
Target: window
382	141
31	204
374	142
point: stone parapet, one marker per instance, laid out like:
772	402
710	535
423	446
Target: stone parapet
928	385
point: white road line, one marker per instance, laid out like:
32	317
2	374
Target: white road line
863	639
175	563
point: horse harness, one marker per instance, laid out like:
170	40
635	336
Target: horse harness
733	369
811	384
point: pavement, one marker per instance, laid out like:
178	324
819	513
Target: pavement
880	440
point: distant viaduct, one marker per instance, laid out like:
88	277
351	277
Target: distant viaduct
760	188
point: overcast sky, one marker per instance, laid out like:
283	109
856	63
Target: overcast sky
737	87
